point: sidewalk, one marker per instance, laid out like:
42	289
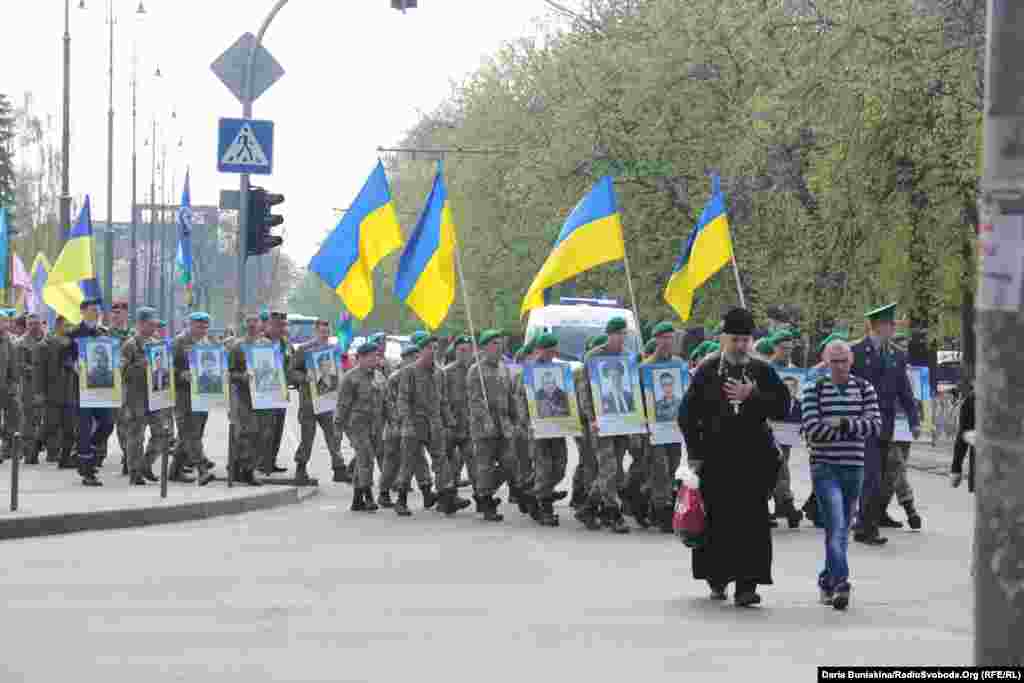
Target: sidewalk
53	501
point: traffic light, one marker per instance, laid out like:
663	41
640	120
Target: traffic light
260	221
403	5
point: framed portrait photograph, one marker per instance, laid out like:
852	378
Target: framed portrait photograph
787	432
99	372
159	387
208	365
551	398
664	386
618	400
324	379
265	364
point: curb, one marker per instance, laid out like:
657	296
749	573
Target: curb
102	520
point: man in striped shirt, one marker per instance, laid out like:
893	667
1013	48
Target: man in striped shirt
840	411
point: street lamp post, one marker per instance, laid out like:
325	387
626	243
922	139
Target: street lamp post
65	183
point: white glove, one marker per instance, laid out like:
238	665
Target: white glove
955	478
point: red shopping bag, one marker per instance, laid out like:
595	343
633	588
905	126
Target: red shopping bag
688	519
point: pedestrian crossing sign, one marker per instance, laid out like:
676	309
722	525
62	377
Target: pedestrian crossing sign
245	146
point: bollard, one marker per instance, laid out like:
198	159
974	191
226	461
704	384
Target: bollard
15	464
163	474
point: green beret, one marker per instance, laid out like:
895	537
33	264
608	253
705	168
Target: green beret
161	323
366	348
410	350
650	346
264	316
487	336
145	314
96	301
424	341
461	339
200	317
885	313
718	329
546	341
616	324
835	336
766	345
664	327
594	342
900	334
528	347
699	351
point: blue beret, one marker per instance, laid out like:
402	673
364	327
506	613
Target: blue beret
145	314
200	317
95	301
265	316
368	347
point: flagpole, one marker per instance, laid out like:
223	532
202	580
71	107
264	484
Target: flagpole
629	282
736	272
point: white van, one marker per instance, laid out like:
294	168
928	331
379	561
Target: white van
574	321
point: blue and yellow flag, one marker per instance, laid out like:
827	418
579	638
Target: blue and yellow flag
184	256
591	235
426	273
707	250
367	233
64	286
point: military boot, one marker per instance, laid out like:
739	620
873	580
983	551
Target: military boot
176	472
429	497
341	475
546	515
458	502
665	514
384	499
913	519
136	479
491	513
788	510
301	474
88	474
588	515
52	455
612	518
402	505
31	450
205	475
358	502
124	465
67	461
579	497
368	503
887	522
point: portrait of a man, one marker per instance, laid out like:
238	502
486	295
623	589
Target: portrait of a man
327	376
101	374
161	377
552	400
667	398
211	378
266	375
616	394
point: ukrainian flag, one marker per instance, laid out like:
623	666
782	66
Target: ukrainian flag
367	233
707	250
63	291
426	273
591	235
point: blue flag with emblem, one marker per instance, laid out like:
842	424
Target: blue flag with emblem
344	331
184	256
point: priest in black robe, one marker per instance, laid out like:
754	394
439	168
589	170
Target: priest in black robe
724	420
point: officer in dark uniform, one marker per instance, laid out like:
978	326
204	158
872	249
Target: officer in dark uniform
875	360
95	425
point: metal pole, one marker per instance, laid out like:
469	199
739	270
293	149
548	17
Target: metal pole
243	185
108	255
65	191
15	463
163	234
152	221
999	491
133	277
739	285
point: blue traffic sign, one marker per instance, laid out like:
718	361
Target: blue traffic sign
245	146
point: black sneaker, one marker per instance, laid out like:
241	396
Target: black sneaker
872	539
841	600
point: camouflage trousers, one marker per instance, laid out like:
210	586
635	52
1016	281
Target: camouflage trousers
550	457
366	443
31	426
639	467
168	425
390	462
586	469
609	451
411	450
59	424
122	435
783	492
307	434
494	457
460	454
272	432
139	459
248	426
522	446
662	463
191	428
10	422
894	479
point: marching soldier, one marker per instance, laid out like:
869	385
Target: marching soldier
390	458
460	448
604	498
361	415
586	469
9	390
245	422
55	379
663	460
273	427
490	424
119	329
308	418
549	455
520	480
191	426
31	411
94	424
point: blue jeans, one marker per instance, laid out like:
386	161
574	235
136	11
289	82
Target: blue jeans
837	488
95	425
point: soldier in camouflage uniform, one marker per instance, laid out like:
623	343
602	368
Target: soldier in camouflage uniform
31	410
8	387
361	415
245	422
56	390
191	426
308	418
273	426
586	469
604	499
662	460
549	455
119	329
391	458
425	416
490	424
520	485
460	448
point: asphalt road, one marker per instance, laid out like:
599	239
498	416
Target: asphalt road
317	593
